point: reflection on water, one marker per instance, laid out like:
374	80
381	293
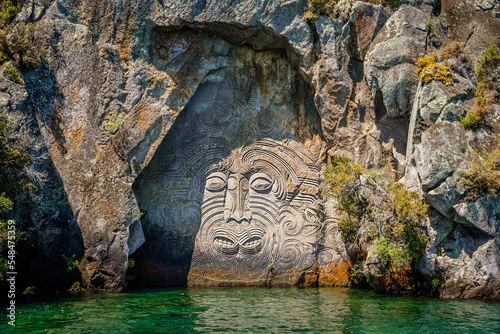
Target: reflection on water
254	311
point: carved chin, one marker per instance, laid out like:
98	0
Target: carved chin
229	242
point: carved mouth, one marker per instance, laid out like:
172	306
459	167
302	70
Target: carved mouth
248	242
252	245
226	245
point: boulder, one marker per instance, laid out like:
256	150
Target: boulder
444	150
437	108
444	197
365	22
482	214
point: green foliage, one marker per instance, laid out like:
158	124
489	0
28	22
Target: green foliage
372	206
483	176
14	158
5	204
357	269
435	282
12	74
393	3
24	44
387	3
131	263
348	229
341	9
71	262
488	62
117	120
336	9
320	7
472	120
487	89
8	11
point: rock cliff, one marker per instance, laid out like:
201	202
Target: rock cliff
191	135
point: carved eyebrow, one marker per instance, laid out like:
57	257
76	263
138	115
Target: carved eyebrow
263	170
217	174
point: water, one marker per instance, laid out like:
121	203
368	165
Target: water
248	310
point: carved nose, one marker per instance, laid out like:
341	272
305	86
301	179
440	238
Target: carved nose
236	201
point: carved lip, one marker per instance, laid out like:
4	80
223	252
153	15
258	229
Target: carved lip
252	245
229	242
226	245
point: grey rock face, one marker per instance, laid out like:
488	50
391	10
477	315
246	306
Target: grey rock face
390	67
446	195
367	20
462	235
483	214
444	150
216	117
434	156
485	4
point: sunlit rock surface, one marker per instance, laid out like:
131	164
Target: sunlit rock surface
223	115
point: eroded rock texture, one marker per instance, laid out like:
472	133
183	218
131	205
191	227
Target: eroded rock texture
192	134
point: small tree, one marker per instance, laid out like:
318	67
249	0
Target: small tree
376	211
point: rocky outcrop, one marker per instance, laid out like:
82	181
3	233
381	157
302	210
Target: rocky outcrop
391	66
463	234
191	136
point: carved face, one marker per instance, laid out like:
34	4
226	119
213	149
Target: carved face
237	229
257	211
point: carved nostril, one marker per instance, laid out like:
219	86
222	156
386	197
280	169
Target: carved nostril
238	214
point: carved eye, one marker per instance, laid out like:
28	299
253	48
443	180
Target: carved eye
261	182
216	182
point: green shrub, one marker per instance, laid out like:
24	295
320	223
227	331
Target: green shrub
348	229
372	206
483	175
320	7
336	9
71	262
8	11
3	58
472	120
12	74
488	61
487	88
388	3
435	282
393	3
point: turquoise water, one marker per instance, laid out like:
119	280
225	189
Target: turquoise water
250	310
